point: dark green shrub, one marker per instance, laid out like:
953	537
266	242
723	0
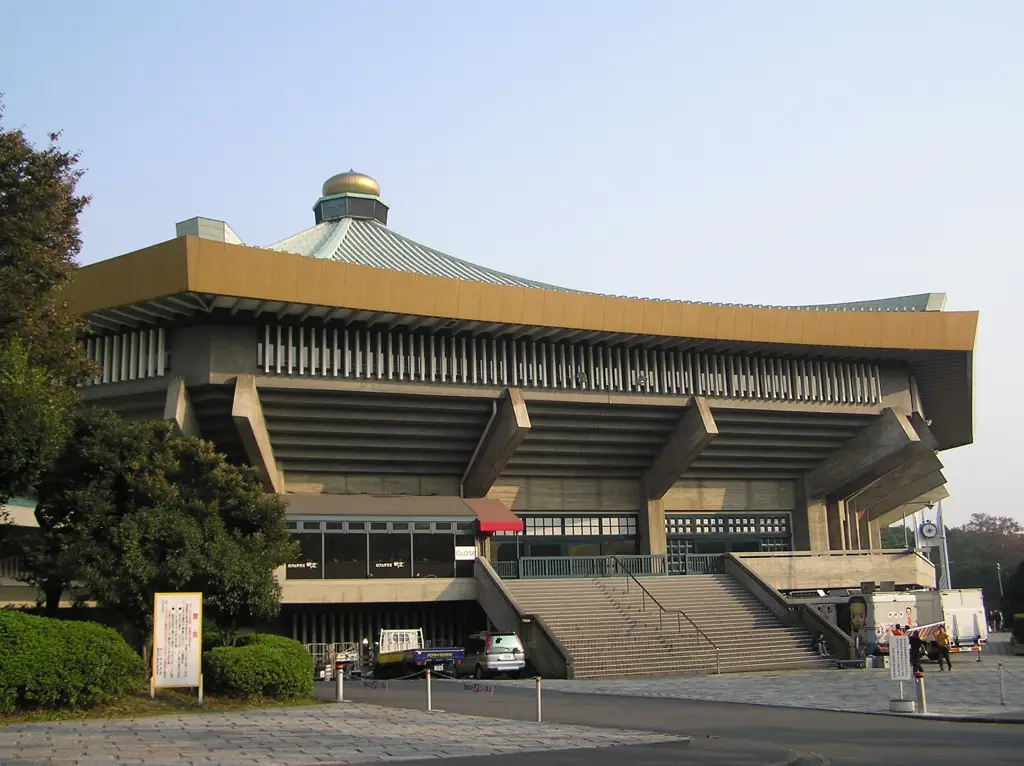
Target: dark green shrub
1018	628
45	662
260	665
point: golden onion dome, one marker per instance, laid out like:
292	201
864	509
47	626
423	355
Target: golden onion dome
351	183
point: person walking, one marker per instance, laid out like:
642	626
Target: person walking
942	639
916	651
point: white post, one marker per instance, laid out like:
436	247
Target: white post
1002	688
922	701
539	718
901	690
339	672
430	701
200	690
947	578
152	687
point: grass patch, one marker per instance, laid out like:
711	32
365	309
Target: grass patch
167	702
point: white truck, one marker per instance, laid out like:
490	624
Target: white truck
961	611
402	653
874	615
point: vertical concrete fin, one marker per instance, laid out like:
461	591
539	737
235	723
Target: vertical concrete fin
888	442
498	443
695	431
178	409
247	413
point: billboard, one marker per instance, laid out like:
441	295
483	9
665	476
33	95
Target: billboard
177	640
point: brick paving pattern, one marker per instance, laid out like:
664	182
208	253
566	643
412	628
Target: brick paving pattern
352	733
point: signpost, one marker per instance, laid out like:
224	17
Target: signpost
177	642
900	667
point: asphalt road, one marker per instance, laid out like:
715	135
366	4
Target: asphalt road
722	733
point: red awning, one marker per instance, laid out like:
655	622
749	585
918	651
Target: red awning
494	516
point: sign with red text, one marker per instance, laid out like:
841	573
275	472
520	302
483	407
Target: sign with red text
177	640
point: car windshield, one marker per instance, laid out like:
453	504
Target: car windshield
509	642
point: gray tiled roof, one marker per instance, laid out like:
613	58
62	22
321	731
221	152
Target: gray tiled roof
369	243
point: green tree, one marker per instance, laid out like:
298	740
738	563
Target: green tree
39	241
894	538
130	510
33	426
40	358
976	547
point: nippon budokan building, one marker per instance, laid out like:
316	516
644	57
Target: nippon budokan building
460	447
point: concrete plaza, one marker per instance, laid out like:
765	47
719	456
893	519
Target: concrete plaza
971	690
352	733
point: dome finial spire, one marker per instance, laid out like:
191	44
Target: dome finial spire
351	183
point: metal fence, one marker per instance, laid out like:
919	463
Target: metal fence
549	567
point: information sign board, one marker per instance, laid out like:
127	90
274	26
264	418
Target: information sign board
900	667
465	553
177	640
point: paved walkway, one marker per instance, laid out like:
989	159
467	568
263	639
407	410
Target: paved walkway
351	733
972	689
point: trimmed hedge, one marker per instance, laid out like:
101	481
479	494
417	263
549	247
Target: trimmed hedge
46	662
260	665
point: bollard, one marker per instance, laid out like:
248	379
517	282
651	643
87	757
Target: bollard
339	672
538	700
922	701
200	697
1002	688
430	701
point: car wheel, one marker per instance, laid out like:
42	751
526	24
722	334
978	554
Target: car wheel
478	674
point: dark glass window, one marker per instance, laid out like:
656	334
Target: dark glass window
336	525
309	564
443	526
399	526
357	525
433	555
345	556
379	526
618	547
463	568
390	556
422	526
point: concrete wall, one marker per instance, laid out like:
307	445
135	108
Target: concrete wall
199	354
807	571
726	495
396	591
896	389
541	494
388	485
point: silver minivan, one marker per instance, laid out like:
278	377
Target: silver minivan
492	654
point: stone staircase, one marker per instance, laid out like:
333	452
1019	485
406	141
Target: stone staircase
614	630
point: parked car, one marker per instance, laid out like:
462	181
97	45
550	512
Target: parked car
493	654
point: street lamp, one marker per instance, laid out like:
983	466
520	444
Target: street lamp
999	575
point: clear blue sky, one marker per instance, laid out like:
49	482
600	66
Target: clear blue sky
722	151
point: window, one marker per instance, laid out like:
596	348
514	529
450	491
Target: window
390	555
619	525
309	564
433	555
345	556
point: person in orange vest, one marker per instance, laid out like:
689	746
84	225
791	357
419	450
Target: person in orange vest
942	639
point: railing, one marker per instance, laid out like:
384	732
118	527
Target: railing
590	566
663	612
698	563
506	570
10	568
544	567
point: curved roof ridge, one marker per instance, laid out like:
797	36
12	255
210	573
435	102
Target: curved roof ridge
371	243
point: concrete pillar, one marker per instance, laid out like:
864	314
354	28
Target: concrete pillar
810	523
875	535
863	533
498	443
835	509
652	528
695	430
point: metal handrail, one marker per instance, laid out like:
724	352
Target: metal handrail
663	611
